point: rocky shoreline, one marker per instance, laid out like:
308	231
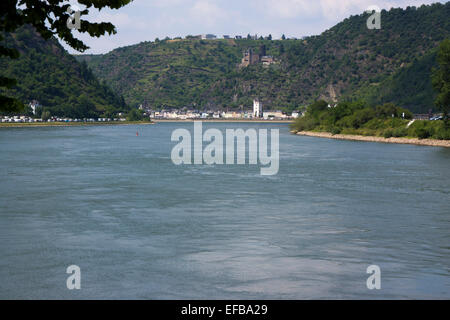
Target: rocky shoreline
421	142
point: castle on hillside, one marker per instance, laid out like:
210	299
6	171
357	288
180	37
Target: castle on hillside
251	57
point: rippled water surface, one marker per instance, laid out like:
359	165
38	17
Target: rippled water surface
138	226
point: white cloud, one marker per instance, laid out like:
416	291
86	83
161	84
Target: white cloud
120	20
144	20
328	9
159	3
290	8
207	12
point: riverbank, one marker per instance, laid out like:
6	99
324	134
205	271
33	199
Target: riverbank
225	120
70	124
421	142
115	123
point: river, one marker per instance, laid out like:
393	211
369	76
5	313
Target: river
110	200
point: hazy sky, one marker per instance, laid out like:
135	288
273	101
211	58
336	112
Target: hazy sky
145	20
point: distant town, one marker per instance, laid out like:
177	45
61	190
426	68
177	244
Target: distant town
257	113
29	119
150	113
185	114
210	36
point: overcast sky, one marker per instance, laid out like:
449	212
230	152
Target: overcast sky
145	20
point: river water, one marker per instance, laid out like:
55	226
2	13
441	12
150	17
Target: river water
111	201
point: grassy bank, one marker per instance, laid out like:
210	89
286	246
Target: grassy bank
69	124
357	119
228	120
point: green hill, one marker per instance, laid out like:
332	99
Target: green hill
342	62
357	118
409	87
47	73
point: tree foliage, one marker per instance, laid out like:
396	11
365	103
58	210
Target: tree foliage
135	115
49	18
385	120
441	78
61	84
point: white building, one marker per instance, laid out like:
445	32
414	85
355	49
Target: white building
257	109
34	105
271	115
208	36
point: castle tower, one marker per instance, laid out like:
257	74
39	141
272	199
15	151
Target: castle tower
262	51
257	109
250	57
